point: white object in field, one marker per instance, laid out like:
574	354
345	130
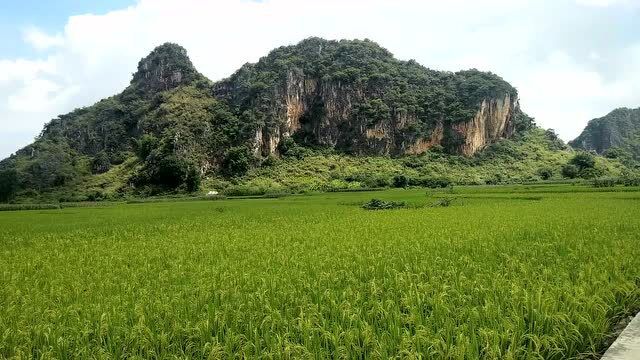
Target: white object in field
212	193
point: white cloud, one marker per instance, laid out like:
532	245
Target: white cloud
41	40
570	59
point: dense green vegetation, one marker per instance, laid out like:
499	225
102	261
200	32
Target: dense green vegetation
616	135
531	157
502	273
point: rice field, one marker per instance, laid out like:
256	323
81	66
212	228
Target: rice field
520	272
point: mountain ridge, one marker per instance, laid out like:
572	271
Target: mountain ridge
172	127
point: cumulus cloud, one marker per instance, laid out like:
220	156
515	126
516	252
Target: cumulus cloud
41	40
572	60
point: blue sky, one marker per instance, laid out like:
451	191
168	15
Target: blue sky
571	60
48	15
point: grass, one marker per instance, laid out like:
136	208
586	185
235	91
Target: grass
519	272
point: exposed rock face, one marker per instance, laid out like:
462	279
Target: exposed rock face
167	67
491	122
619	128
322	112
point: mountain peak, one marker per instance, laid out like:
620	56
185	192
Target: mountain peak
166	67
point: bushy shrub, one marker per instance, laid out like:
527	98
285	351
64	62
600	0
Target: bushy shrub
545	173
631	181
400	181
570	171
20	207
192	179
444	202
369	180
377	204
590	173
145	145
236	161
101	163
583	161
604	182
8	184
289	148
412	162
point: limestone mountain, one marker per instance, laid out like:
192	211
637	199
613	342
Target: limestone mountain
355	96
615	135
172	126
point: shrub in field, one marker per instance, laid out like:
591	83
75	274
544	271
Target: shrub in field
604	182
590	173
570	171
17	207
377	204
444	202
400	181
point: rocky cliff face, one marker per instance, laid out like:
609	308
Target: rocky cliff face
325	113
165	68
492	122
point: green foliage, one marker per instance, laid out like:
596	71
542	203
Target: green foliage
289	148
377	204
101	163
145	145
583	161
545	173
443	202
570	171
8	184
192	179
168	172
237	161
400	181
604	182
555	143
523	122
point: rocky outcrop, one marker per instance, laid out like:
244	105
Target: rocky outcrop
165	68
492	122
619	128
324	113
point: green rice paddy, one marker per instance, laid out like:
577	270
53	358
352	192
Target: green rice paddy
521	272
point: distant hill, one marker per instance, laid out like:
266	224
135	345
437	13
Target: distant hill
615	135
172	127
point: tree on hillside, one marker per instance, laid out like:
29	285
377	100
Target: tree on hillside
570	171
236	161
583	161
8	184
